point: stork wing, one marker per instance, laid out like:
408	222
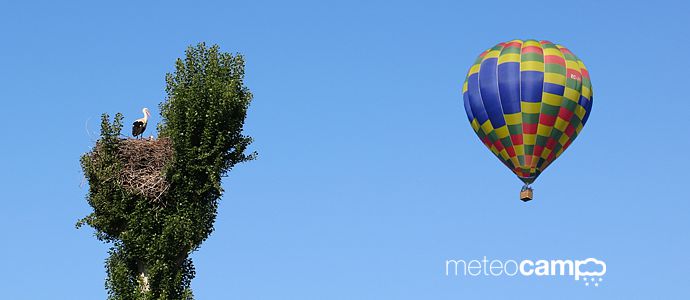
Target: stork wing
138	128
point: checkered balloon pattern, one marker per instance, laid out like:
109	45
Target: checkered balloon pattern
527	101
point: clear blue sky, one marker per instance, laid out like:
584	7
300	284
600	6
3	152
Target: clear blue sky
369	176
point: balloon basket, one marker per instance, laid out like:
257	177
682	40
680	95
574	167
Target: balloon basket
526	194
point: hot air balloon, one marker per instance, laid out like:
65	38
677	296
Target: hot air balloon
527	101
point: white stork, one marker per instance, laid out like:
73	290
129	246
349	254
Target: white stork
140	124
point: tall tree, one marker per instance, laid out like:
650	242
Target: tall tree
152	237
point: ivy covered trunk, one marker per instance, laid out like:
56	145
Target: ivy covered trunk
155	200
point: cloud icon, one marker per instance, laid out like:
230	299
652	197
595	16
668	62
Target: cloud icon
589	264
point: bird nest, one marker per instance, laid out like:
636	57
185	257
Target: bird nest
143	163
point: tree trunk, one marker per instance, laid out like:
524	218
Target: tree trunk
143	277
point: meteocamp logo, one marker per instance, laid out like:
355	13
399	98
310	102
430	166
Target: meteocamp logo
590	270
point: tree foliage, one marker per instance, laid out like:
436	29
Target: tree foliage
203	116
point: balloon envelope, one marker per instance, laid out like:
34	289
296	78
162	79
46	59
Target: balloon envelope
527	101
